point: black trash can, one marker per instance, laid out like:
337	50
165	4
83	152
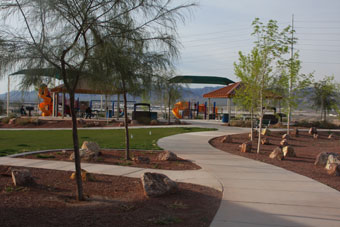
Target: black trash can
225	118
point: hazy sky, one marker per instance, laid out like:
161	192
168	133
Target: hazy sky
218	29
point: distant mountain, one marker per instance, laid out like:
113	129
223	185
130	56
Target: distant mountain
188	94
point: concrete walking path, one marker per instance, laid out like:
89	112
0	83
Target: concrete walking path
254	193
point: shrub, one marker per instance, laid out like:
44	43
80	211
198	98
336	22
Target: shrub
23	121
240	123
317	124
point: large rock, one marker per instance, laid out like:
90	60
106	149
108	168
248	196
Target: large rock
12	121
89	151
332	159
226	139
85	176
155	184
134	122
154	122
91	147
331	136
246	147
265	132
288	151
322	158
315	136
22	177
277	154
284	143
167	156
334	170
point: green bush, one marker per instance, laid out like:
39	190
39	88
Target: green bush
23	121
240	123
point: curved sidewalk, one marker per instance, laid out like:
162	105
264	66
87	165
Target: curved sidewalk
255	193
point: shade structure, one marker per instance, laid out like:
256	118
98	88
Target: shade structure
224	92
48	72
201	80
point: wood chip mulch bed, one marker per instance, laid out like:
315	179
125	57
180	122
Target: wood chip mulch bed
111	201
305	147
116	157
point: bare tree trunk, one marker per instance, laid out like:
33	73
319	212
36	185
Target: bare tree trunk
252	123
127	139
80	195
288	118
169	105
261	118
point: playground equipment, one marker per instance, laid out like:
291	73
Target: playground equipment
46	105
143	115
191	110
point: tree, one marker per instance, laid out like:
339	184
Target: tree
271	45
325	96
170	92
60	35
291	83
247	70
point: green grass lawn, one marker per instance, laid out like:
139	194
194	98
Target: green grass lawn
12	142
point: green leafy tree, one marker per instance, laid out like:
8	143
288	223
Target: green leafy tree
325	97
271	44
60	35
247	70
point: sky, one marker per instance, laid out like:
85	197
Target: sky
217	30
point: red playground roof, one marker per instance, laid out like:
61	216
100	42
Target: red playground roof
225	92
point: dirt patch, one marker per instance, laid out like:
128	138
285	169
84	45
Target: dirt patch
305	147
111	201
116	157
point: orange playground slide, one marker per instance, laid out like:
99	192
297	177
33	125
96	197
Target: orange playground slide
46	105
179	106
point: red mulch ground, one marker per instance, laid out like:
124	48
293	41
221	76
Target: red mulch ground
305	147
116	157
111	201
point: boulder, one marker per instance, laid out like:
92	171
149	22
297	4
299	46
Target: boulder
141	160
227	139
315	136
284	143
86	155
254	135
265	132
277	154
85	176
331	136
12	121
22	177
312	131
332	159
90	147
167	156
81	122
334	169
246	147
288	151
285	136
177	121
155	184
121	124
265	141
322	158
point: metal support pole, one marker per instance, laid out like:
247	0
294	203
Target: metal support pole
63	106
53	104
8	91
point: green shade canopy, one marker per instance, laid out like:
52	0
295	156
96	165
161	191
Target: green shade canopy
48	72
201	80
